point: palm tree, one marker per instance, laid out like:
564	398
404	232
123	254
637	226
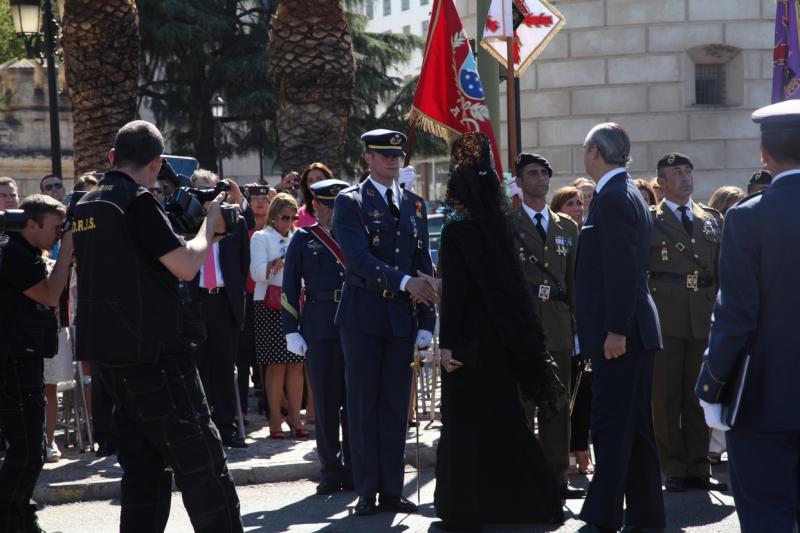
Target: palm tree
101	57
312	70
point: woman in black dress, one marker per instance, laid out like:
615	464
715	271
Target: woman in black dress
492	350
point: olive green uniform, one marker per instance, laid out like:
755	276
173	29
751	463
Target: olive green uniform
683	282
554	300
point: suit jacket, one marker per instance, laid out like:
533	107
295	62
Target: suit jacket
611	272
234	263
557	254
381	250
757	307
685	313
310	266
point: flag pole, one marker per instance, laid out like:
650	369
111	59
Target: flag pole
412	137
511	116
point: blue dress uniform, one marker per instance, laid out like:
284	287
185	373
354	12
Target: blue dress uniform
756	313
311	266
378	322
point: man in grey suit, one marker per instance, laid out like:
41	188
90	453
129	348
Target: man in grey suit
756	313
618	328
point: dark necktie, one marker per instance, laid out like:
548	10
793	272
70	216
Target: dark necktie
393	209
539	227
685	220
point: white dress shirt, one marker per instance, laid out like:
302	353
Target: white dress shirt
266	246
607	176
785	173
676	208
217	269
545	216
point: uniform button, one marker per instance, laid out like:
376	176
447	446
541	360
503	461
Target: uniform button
696	255
545	248
377	268
398	233
693	241
653	289
397	250
341	274
705	388
397	268
546	264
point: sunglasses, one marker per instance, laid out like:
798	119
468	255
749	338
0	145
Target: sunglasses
286	218
51	186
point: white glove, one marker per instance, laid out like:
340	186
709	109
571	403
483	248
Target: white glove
424	339
407	177
295	343
713	414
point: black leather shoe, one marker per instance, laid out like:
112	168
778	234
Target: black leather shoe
105	449
328	487
706	483
233	440
396	504
675	484
571	493
365	506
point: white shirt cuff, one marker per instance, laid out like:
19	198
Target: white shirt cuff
404	282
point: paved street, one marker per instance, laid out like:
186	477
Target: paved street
276	507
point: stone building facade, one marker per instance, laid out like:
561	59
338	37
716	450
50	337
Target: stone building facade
678	75
25	125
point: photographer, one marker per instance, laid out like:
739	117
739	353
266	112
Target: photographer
28	333
136	321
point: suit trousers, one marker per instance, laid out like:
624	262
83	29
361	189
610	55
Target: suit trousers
378	384
326	373
102	407
554	432
22	424
162	425
216	358
246	356
681	431
626	458
765	476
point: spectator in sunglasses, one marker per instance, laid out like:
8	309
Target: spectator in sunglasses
52	186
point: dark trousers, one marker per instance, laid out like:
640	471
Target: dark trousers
326	372
581	411
162	422
22	424
681	431
102	407
625	447
765	475
246	356
554	430
378	377
216	358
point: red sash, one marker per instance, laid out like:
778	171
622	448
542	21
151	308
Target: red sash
325	238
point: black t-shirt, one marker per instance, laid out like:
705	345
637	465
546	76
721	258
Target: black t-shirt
22	266
151	227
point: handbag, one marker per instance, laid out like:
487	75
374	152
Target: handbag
272	300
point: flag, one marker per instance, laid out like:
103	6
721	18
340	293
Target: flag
786	57
534	23
449	99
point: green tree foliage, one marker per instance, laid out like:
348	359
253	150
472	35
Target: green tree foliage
194	49
10	45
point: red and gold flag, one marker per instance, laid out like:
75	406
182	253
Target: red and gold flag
449	99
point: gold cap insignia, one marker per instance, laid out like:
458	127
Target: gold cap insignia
671	159
396	140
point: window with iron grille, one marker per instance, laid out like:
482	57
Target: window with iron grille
387	8
709	82
404	4
370	10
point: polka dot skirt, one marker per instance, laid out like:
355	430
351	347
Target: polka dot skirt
270	339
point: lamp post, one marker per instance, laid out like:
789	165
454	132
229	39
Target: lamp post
218	111
41	33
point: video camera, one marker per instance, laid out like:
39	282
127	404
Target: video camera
186	212
12	220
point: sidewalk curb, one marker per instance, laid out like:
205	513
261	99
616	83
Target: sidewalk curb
107	489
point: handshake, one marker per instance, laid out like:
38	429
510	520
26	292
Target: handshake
424	288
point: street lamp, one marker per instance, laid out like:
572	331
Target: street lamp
218	112
37	34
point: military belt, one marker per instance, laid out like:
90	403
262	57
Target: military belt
690	281
324	296
379	289
548	293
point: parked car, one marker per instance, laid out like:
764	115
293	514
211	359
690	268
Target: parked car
435	222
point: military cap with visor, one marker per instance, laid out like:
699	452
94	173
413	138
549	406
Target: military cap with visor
385	142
